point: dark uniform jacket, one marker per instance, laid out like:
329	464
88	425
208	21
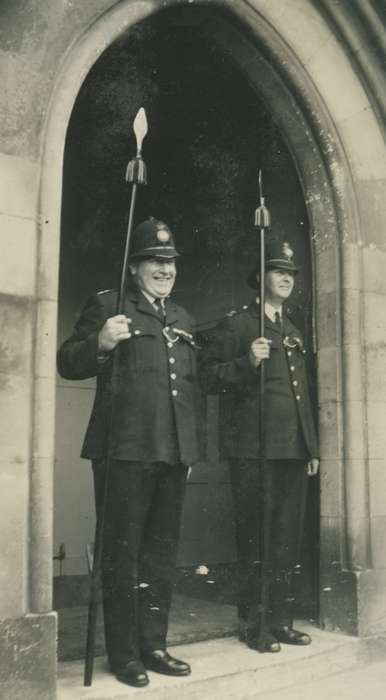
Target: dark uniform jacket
227	370
154	417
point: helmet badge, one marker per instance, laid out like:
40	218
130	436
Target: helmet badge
163	235
287	251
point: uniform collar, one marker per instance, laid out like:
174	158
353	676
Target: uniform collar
255	310
270	311
144	303
148	296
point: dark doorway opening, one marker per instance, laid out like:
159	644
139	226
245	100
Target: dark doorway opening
209	133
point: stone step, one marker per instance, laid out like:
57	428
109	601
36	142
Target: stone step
223	668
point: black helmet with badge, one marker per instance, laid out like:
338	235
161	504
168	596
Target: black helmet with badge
278	256
152	239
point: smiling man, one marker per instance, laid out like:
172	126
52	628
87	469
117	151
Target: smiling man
152	438
230	367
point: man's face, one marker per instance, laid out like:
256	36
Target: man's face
278	285
155	276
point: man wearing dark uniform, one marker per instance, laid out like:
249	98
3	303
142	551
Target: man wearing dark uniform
151	437
230	367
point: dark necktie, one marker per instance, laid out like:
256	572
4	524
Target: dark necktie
278	322
160	309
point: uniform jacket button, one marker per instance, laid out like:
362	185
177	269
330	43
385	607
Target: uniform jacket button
174	392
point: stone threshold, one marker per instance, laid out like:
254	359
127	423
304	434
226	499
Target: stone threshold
225	668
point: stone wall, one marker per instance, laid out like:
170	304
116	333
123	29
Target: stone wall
318	65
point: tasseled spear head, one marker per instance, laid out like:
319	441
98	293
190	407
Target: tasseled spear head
262	215
136	169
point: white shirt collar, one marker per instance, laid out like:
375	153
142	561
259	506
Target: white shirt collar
270	311
152	299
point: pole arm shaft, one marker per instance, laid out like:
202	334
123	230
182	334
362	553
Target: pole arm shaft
125	264
135	175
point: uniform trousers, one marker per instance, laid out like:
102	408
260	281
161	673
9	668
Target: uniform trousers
275	492
141	533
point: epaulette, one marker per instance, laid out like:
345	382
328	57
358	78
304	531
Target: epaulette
234	312
104	291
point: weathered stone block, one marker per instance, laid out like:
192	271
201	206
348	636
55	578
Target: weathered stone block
343	94
372	212
44	417
304	31
28	657
351	317
354	435
378	541
18	255
354	603
16	320
45	342
367	153
331	488
338	601
372	603
327	319
13	538
375	319
330	430
374	259
330	542
19	180
15	411
351	262
376	412
327	271
377	475
376	372
329	379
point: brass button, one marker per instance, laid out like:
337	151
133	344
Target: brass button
174	392
297	397
172	360
295	382
173	376
137	332
292	368
170	345
289	353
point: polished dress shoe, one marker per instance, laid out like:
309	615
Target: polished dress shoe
161	662
132	673
262	643
287	635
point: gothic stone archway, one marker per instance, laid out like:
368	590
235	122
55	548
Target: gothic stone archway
274	61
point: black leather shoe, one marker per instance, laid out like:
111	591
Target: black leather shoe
133	673
161	662
287	635
264	643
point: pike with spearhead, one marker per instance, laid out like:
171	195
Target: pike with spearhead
135	175
262	225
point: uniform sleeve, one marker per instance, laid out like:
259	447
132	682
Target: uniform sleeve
224	363
78	357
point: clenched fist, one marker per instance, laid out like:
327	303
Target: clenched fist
259	351
113	332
